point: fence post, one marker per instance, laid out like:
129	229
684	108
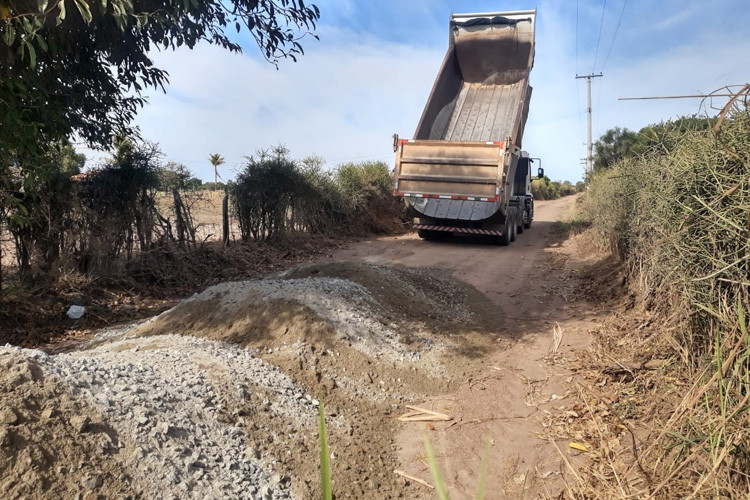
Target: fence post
225	218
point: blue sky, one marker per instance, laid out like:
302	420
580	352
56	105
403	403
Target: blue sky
370	73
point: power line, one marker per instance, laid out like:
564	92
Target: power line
577	1
601	24
624	4
578	87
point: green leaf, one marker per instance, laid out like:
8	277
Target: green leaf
42	43
42	5
10	35
440	489
28	28
61	15
32	56
83	8
19	221
325	465
485	468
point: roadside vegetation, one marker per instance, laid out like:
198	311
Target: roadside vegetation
546	189
130	227
79	71
672	203
275	195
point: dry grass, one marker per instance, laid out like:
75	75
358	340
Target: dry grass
665	402
34	316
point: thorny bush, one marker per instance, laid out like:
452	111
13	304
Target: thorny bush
679	217
275	195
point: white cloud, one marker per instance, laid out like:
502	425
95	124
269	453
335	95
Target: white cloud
352	90
341	102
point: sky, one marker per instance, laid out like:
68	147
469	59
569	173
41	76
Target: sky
371	71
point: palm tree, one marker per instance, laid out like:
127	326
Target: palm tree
216	159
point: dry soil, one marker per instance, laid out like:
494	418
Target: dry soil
219	395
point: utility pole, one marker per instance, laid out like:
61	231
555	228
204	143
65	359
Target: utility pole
589	148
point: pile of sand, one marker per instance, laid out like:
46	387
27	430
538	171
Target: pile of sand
52	444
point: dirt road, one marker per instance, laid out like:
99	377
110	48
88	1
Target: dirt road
513	277
218	397
511	393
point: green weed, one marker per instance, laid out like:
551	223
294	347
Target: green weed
325	464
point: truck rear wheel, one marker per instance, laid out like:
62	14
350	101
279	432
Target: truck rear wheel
513	229
520	226
527	221
505	239
425	234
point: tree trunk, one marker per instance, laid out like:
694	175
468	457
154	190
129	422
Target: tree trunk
179	220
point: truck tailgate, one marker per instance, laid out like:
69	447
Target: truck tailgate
448	169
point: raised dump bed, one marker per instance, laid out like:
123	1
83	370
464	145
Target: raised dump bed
458	171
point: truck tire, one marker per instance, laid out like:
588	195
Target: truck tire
425	234
520	226
513	229
527	221
505	239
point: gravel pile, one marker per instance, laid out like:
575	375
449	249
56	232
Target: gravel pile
349	307
166	398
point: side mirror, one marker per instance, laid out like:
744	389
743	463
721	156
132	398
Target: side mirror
540	172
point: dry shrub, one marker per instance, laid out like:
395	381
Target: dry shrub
546	189
275	195
679	217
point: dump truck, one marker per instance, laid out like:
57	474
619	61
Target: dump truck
464	171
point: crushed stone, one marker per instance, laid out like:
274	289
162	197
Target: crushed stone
168	394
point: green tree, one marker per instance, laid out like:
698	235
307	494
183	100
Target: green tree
81	67
614	145
174	176
618	143
216	159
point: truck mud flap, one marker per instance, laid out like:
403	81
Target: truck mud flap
465	230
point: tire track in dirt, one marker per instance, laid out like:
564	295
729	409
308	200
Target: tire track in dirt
462	327
509	397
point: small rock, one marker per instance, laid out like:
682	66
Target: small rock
4	436
92	482
79	423
265	492
162	428
8	417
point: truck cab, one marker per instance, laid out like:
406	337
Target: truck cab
523	198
